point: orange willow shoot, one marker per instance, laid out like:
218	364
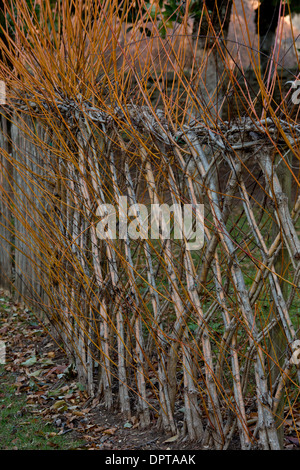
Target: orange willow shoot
106	99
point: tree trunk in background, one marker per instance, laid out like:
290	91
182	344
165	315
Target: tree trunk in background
204	36
266	20
220	13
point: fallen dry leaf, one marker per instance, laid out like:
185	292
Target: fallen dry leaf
99	429
59	405
110	431
172	439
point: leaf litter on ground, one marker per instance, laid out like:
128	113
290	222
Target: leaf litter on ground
40	388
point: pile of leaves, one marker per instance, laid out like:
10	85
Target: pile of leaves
39	389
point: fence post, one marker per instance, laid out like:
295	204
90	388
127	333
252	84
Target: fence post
6	260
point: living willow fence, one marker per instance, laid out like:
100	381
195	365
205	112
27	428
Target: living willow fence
151	324
201	342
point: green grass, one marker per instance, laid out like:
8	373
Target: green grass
23	430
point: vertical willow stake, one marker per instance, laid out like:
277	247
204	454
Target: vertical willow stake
277	335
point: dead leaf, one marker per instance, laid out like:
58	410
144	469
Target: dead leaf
110	431
56	370
59	405
21	378
90	438
172	439
134	419
51	444
78	413
99	429
32	360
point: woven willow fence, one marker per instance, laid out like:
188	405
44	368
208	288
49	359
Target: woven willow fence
201	342
157	329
